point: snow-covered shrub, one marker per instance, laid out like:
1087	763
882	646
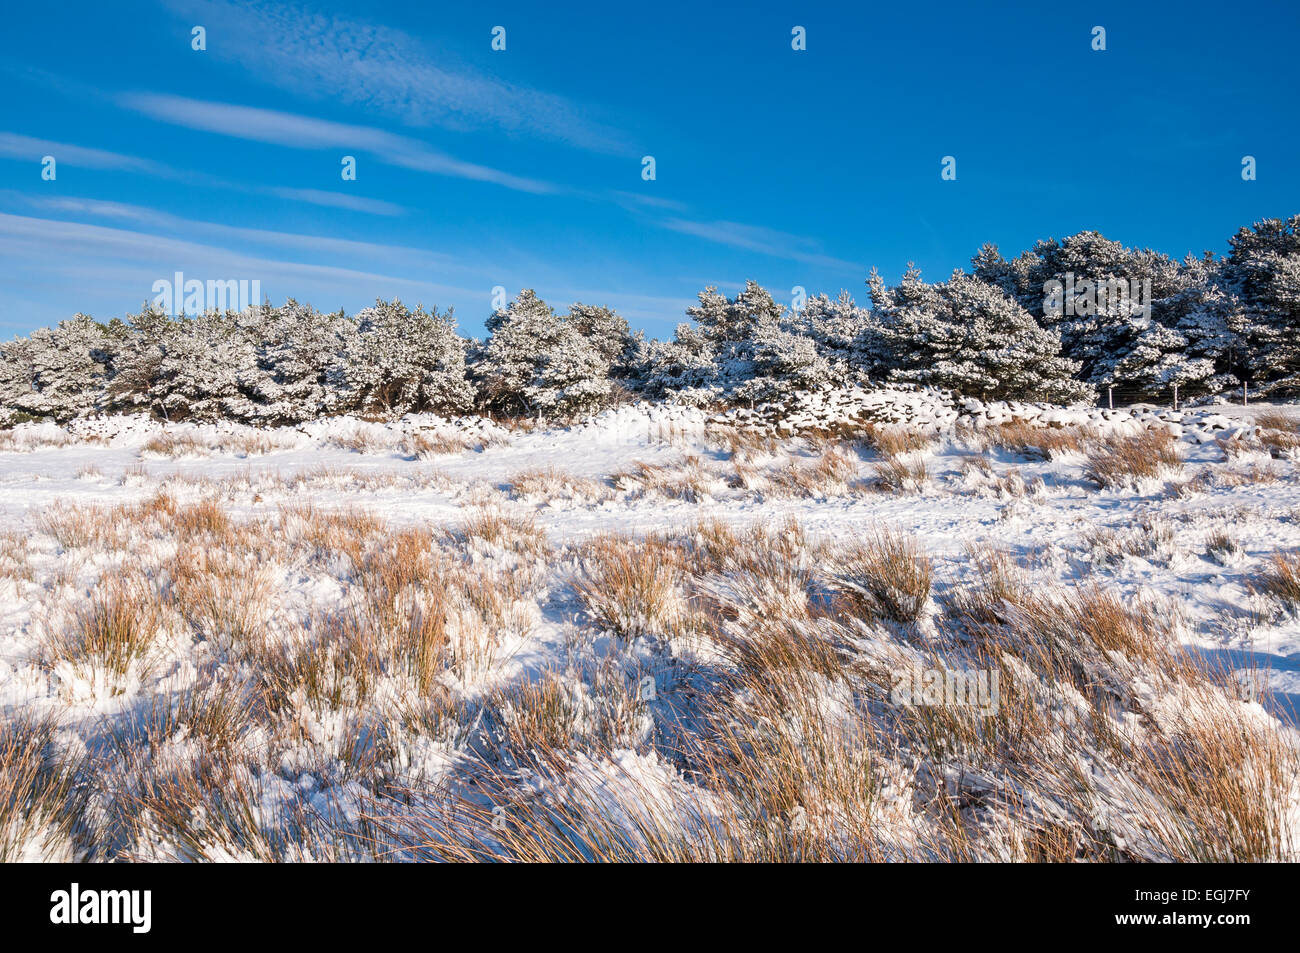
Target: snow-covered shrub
201	373
1262	271
300	362
846	336
57	372
1212	324
401	361
967	335
536	362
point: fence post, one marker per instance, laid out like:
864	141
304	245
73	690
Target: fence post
1110	396
1175	397
1244	399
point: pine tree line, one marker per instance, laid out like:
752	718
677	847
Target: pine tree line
1207	324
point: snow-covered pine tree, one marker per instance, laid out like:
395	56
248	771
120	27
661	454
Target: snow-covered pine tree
1263	271
300	362
846	336
401	361
783	362
571	376
1103	328
16	376
205	361
138	346
965	334
604	329
58	372
1158	359
536	362
504	366
729	326
1204	317
683	366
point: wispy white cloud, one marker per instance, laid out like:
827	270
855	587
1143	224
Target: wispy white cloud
414	258
382	69
639	200
14	146
85	266
86	259
356	203
756	238
308	132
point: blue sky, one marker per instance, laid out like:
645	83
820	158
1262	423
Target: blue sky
478	168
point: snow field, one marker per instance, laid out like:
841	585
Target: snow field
659	633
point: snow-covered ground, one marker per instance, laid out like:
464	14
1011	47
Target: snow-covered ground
642	471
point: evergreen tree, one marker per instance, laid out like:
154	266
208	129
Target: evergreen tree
204	362
1099	321
402	361
845	335
783	361
300	362
16	376
1263	271
965	334
684	364
535	362
138	346
59	372
604	329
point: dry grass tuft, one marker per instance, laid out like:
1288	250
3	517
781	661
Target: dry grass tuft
893	441
519	534
633	587
888	575
360	439
1276	420
551	483
173	446
1223	547
41	795
1036	441
1281	579
114	632
688	481
1119	462
425	445
898	475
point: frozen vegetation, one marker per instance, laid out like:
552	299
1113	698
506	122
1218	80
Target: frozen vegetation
1064	321
663	631
809	581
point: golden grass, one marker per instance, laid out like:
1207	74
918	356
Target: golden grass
343	653
898	475
632	587
1276	420
552	483
689	481
114	632
1118	462
173	446
888	574
1036	441
41	799
424	445
507	531
1281	579
891	441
